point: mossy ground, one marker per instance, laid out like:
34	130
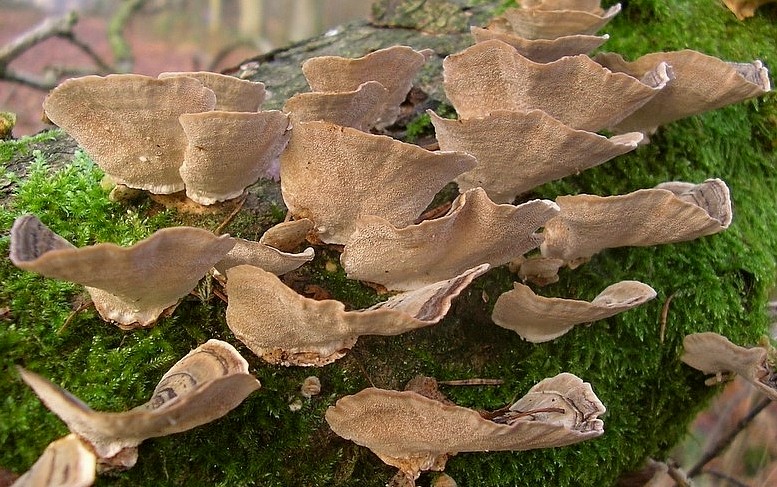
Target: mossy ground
719	283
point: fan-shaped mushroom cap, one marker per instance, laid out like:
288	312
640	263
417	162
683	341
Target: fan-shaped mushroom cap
360	108
542	50
287	236
593	6
232	94
283	327
543	23
128	123
264	256
576	90
228	151
745	8
203	386
332	175
132	286
413	432
474	231
588	223
393	67
66	462
538	319
701	83
520	150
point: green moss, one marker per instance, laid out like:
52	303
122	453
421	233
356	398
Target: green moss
719	283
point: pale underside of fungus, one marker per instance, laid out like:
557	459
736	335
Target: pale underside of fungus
203	386
540	50
575	90
701	83
544	23
228	151
132	286
383	177
393	67
232	94
129	124
415	433
287	236
671	213
539	319
66	462
474	231
712	353
258	254
283	327
360	108
520	150
745	8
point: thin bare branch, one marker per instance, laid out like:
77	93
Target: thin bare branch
51	27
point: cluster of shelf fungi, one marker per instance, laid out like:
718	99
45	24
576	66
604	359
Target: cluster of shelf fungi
529	102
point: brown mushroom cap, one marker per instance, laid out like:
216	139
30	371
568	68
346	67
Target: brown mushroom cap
360	108
393	67
129	124
132	286
410	431
575	90
232	94
701	83
539	319
544	23
203	386
332	175
745	8
712	353
520	150
283	327
588	224
264	256
474	231
592	6
542	50
287	236
66	462
228	151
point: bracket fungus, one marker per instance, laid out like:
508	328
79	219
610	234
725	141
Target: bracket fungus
228	151
539	319
129	124
132	286
700	83
384	177
232	94
540	50
258	254
203	386
393	67
474	231
520	150
360	108
668	213
549	20
745	8
66	462
575	90
283	327
415	433
712	353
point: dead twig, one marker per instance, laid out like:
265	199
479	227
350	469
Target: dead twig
471	382
231	216
72	315
664	315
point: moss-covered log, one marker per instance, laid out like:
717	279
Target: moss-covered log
717	283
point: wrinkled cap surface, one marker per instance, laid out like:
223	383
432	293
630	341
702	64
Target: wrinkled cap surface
545	23
360	108
542	50
232	94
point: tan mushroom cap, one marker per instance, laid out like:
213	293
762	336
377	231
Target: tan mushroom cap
393	67
537	269
129	124
539	319
229	151
287	236
593	6
413	432
66	462
258	254
520	150
232	94
544	23
588	224
360	108
203	386
745	8
332	175
474	231
542	50
283	327
575	90
132	286
701	83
